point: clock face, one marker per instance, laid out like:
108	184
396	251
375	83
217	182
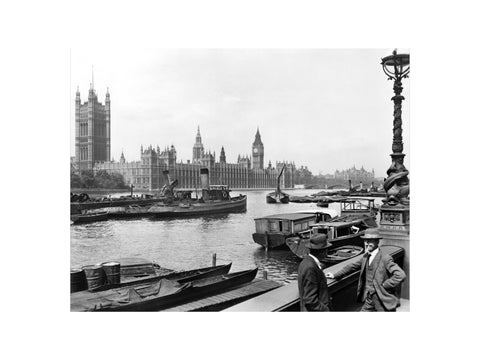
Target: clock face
255	150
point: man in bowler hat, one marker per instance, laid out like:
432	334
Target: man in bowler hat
379	276
312	284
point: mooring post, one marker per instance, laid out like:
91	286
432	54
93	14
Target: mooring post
266	241
264	274
214	259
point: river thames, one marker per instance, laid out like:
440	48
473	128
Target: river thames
182	244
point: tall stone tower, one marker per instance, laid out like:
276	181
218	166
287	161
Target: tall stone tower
198	151
257	152
223	159
92	130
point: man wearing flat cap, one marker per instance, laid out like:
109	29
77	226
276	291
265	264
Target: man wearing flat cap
379	276
312	284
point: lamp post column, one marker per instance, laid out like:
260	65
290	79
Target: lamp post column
397	146
395	211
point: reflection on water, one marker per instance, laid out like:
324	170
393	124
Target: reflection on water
190	242
281	265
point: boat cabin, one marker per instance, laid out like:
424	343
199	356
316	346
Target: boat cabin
284	223
358	206
338	229
216	192
183	194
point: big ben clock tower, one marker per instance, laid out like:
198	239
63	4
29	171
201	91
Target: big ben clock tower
257	152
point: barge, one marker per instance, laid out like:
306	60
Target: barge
272	231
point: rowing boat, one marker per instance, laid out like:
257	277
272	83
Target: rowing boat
342	253
86	218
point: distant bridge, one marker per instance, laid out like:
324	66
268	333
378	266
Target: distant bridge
345	186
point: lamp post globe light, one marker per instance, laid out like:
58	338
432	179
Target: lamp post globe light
397	67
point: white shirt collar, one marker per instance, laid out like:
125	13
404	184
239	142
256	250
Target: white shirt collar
372	256
316	261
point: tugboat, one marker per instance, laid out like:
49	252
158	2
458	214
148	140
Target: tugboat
278	196
215	199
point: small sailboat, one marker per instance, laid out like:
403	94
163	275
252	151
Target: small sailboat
278	196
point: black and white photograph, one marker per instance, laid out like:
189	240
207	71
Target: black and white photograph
238	180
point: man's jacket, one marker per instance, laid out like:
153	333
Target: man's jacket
386	276
312	286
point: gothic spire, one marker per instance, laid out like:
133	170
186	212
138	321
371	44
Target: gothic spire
258	139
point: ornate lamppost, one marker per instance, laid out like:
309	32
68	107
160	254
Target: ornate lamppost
395	211
397	67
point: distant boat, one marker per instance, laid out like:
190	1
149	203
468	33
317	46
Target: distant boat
302	199
76	206
278	196
87	218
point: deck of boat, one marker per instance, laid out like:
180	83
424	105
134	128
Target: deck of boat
286	298
229	298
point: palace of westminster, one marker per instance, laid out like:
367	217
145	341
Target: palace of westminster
92	152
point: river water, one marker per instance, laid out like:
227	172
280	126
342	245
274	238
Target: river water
183	244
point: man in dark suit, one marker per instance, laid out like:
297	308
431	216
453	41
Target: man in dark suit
379	276
312	284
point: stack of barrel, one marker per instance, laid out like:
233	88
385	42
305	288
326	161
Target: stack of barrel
93	277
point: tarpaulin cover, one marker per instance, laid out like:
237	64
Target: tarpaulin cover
125	296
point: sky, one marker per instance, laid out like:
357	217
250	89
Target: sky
326	109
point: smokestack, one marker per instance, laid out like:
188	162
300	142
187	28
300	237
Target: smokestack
204	178
167	177
361	185
349	184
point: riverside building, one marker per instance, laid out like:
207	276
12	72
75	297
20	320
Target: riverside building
354	174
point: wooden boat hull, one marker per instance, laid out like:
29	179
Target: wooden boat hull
180	276
275	198
88	218
104	301
78	207
342	253
271	240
